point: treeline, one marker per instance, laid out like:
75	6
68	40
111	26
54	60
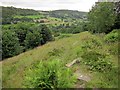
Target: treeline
23	37
9	12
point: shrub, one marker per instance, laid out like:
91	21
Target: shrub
91	42
96	61
55	52
113	48
112	36
49	75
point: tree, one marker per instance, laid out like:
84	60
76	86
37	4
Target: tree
102	17
46	34
21	34
33	39
10	44
117	20
21	30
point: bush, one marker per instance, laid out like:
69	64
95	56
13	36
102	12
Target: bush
113	48
49	75
90	42
55	52
96	61
112	36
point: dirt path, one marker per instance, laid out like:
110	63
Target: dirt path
82	79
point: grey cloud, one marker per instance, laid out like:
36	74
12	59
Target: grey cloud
37	4
48	4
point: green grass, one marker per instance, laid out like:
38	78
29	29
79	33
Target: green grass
30	16
52	20
66	50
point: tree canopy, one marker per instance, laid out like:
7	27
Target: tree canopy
10	44
102	17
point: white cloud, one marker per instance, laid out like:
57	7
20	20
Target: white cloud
81	5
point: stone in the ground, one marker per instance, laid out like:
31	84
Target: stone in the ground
84	78
73	62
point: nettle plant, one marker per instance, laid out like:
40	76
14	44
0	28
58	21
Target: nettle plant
97	61
50	75
91	42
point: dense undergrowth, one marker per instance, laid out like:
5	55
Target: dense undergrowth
112	36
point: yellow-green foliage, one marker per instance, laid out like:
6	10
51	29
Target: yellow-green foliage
66	50
96	61
91	42
112	36
51	75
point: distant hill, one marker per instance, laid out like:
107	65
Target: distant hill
9	12
64	14
17	11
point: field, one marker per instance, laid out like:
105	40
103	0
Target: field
30	16
66	50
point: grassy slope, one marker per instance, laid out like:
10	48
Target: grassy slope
14	68
29	16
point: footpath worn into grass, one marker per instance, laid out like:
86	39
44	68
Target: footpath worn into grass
66	49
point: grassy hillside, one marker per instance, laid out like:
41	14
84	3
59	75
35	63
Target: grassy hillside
66	50
65	14
30	16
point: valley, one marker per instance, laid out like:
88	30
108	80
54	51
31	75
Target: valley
60	48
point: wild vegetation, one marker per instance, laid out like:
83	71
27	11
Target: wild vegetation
35	52
24	38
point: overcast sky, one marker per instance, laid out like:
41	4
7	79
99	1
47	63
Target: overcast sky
80	5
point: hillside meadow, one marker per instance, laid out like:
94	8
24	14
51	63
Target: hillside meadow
66	50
